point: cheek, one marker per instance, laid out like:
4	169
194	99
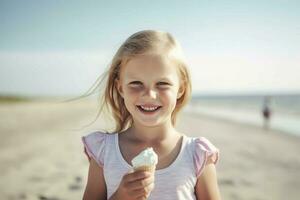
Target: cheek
168	97
130	96
131	92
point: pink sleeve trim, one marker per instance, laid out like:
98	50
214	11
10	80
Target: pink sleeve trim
94	146
204	154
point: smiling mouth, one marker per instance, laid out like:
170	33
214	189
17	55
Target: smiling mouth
148	111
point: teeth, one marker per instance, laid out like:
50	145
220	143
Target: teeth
149	108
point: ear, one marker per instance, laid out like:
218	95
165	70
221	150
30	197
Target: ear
119	87
180	91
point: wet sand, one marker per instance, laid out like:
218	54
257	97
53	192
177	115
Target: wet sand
41	154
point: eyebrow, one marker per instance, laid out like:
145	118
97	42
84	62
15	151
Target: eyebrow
165	79
161	78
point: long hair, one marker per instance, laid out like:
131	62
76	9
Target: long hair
140	43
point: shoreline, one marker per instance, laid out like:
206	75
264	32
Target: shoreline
230	121
287	124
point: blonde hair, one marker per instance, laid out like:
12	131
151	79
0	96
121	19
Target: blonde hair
142	42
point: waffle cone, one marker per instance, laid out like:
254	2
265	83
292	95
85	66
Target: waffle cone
145	168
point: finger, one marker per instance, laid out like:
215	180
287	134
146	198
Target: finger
138	195
143	197
144	192
141	183
137	176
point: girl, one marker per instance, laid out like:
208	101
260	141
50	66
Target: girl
148	84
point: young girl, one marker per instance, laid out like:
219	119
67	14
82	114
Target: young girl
148	84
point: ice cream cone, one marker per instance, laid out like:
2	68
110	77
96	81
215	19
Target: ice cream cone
145	168
145	161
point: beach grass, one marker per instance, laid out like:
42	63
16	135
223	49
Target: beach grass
14	99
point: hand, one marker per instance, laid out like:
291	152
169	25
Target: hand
135	186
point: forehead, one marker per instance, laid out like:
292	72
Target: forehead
150	65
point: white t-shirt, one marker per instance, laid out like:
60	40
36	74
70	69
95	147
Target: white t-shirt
175	182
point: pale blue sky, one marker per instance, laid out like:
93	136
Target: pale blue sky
60	47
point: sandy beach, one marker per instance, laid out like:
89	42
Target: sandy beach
41	154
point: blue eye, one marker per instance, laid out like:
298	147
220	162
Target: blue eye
163	83
135	83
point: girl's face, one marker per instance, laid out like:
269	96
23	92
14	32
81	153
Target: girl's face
149	85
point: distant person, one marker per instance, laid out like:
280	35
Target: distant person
148	83
266	113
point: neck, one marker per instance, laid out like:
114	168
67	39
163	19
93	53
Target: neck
153	134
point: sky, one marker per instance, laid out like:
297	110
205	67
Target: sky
59	48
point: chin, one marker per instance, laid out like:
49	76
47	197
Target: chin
148	123
151	123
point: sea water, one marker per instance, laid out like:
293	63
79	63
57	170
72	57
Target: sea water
285	110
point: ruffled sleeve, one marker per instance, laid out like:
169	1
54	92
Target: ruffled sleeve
204	153
94	146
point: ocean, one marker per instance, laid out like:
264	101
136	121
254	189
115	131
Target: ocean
284	109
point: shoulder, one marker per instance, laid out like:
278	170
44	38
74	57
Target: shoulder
203	152
94	145
205	157
95	137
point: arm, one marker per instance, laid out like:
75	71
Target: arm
207	185
95	188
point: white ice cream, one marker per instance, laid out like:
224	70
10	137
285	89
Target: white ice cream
146	158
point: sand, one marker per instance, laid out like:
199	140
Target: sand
41	154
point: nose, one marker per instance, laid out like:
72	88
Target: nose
151	93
